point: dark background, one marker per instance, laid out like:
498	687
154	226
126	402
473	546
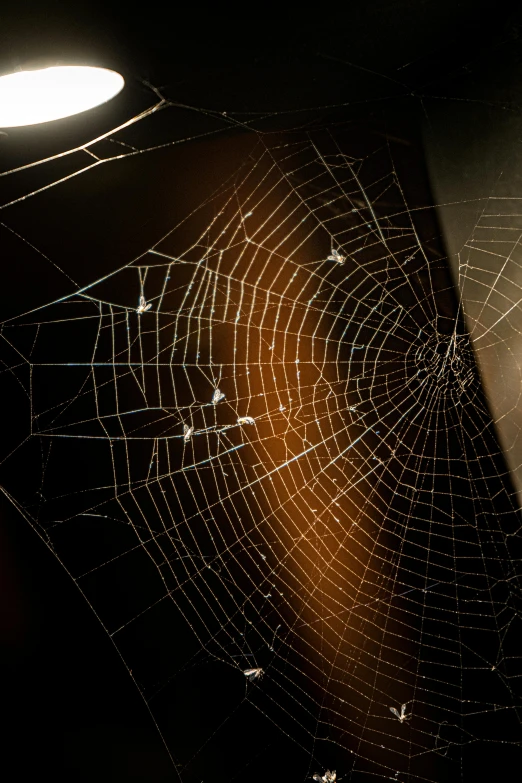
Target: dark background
70	708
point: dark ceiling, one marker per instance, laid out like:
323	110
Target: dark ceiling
250	58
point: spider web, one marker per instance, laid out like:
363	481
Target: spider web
286	463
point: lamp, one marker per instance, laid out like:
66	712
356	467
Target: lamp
35	96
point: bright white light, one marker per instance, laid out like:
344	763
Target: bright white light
32	97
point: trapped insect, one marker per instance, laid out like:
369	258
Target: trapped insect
336	256
143	306
246	420
328	777
253	674
402	714
187	432
217	396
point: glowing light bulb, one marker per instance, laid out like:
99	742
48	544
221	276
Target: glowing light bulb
33	97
